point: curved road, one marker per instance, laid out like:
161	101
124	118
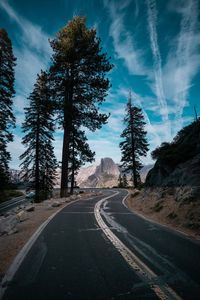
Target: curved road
98	249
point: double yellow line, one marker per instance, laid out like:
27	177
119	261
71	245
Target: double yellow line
163	291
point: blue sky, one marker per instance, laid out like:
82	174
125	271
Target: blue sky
154	46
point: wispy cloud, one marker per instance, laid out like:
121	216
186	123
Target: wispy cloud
33	50
152	22
33	53
33	35
123	41
184	58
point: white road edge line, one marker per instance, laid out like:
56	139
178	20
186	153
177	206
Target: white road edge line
24	251
163	292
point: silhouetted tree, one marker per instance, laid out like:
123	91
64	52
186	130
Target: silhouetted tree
39	163
78	80
7	119
135	143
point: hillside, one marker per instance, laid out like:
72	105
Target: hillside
172	188
178	164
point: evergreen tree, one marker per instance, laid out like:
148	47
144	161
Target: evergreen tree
120	181
79	84
125	181
7	119
39	163
135	143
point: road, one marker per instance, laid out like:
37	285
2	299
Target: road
14	202
98	249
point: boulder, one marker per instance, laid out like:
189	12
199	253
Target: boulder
73	197
8	224
22	216
55	204
30	208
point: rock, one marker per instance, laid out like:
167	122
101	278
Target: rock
67	199
178	162
14	230
22	216
30	208
55	204
8	224
49	207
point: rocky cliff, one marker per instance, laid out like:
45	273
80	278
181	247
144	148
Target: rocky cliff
178	164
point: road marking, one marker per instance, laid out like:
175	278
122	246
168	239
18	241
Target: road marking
163	291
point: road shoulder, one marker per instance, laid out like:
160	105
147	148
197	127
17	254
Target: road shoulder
162	212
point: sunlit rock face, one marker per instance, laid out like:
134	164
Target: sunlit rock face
104	175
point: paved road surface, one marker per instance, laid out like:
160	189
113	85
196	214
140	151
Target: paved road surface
14	202
127	258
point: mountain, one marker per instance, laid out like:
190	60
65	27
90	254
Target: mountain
104	175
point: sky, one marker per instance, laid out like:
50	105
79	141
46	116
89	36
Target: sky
155	49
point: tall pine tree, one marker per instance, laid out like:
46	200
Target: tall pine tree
39	163
7	119
134	144
78	79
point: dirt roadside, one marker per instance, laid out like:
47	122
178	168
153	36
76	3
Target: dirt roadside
184	217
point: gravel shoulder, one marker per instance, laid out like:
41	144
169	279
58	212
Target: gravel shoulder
184	217
11	244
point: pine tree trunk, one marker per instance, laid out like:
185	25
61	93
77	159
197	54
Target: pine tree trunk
37	170
73	167
135	183
65	164
66	141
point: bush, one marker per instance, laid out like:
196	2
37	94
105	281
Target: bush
172	215
158	206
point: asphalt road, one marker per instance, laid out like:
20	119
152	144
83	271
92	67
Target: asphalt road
98	249
14	202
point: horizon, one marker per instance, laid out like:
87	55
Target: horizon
153	46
